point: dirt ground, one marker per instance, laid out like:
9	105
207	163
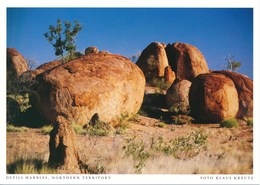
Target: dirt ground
225	151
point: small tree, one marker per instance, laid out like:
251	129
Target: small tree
63	41
231	64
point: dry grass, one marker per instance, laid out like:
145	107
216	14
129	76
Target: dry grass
227	151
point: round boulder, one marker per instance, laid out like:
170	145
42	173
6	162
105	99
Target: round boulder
213	98
16	63
244	86
153	61
186	60
177	97
91	49
107	85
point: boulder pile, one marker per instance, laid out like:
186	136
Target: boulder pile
211	96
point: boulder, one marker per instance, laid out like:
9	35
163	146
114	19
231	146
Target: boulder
186	61
91	49
16	63
153	61
46	66
213	97
169	75
177	97
110	85
244	86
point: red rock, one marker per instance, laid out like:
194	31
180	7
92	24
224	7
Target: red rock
186	60
16	63
177	97
46	66
153	61
244	86
63	146
110	85
91	49
213	97
169	75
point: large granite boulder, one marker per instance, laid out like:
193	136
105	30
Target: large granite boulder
109	85
46	66
153	61
213	97
16	63
186	60
244	86
177	97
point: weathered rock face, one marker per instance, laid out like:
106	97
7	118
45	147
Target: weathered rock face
213	98
169	75
153	61
63	146
47	66
186	61
177	97
91	49
16	63
244	87
110	85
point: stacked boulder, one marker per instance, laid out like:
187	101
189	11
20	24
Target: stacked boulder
153	62
209	96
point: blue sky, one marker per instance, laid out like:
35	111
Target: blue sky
126	31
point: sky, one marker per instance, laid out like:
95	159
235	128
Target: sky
216	32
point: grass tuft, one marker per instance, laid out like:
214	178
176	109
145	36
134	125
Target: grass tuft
29	166
250	122
46	129
230	123
12	128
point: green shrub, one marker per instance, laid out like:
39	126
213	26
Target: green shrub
121	128
29	166
181	120
46	129
79	129
249	121
12	128
160	83
138	152
183	147
161	125
99	129
230	123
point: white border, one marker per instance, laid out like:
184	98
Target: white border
134	179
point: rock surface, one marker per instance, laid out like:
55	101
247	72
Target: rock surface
16	63
213	97
153	61
46	66
244	86
91	49
186	60
169	75
110	85
177	97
